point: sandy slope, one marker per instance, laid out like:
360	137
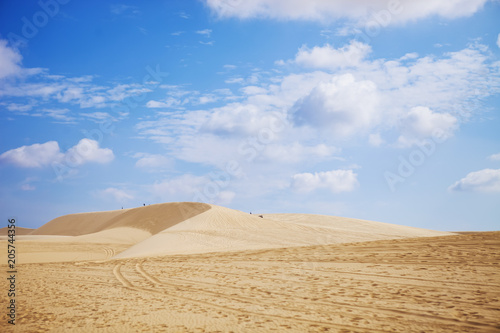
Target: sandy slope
153	219
19	231
222	229
437	284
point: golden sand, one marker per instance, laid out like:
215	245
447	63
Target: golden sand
402	282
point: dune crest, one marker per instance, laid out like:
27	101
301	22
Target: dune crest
153	219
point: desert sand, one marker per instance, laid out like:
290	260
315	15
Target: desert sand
190	267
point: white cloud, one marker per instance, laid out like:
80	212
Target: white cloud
156	104
486	180
253	90
115	194
379	98
235	80
343	106
192	188
61	115
34	156
19	107
205	99
495	157
46	154
237	119
336	181
355	10
295	152
205	32
10	60
122	91
327	57
421	123
183	187
97	116
87	150
42	88
152	161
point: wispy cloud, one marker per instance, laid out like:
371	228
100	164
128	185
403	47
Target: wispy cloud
124	10
495	157
205	32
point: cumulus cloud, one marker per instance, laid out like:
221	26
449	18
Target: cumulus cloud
336	181
486	180
34	156
45	154
239	119
355	10
327	57
87	150
421	123
373	100
343	105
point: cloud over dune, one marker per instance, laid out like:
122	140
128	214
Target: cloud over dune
486	180
41	155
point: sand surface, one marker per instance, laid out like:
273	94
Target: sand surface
189	267
438	284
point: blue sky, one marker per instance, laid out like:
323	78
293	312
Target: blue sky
385	111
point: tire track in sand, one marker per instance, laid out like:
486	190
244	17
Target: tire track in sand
243	299
127	284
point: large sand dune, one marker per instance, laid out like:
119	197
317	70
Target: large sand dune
188	228
222	229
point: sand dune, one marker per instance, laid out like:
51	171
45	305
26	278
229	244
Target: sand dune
222	229
19	231
188	228
153	219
